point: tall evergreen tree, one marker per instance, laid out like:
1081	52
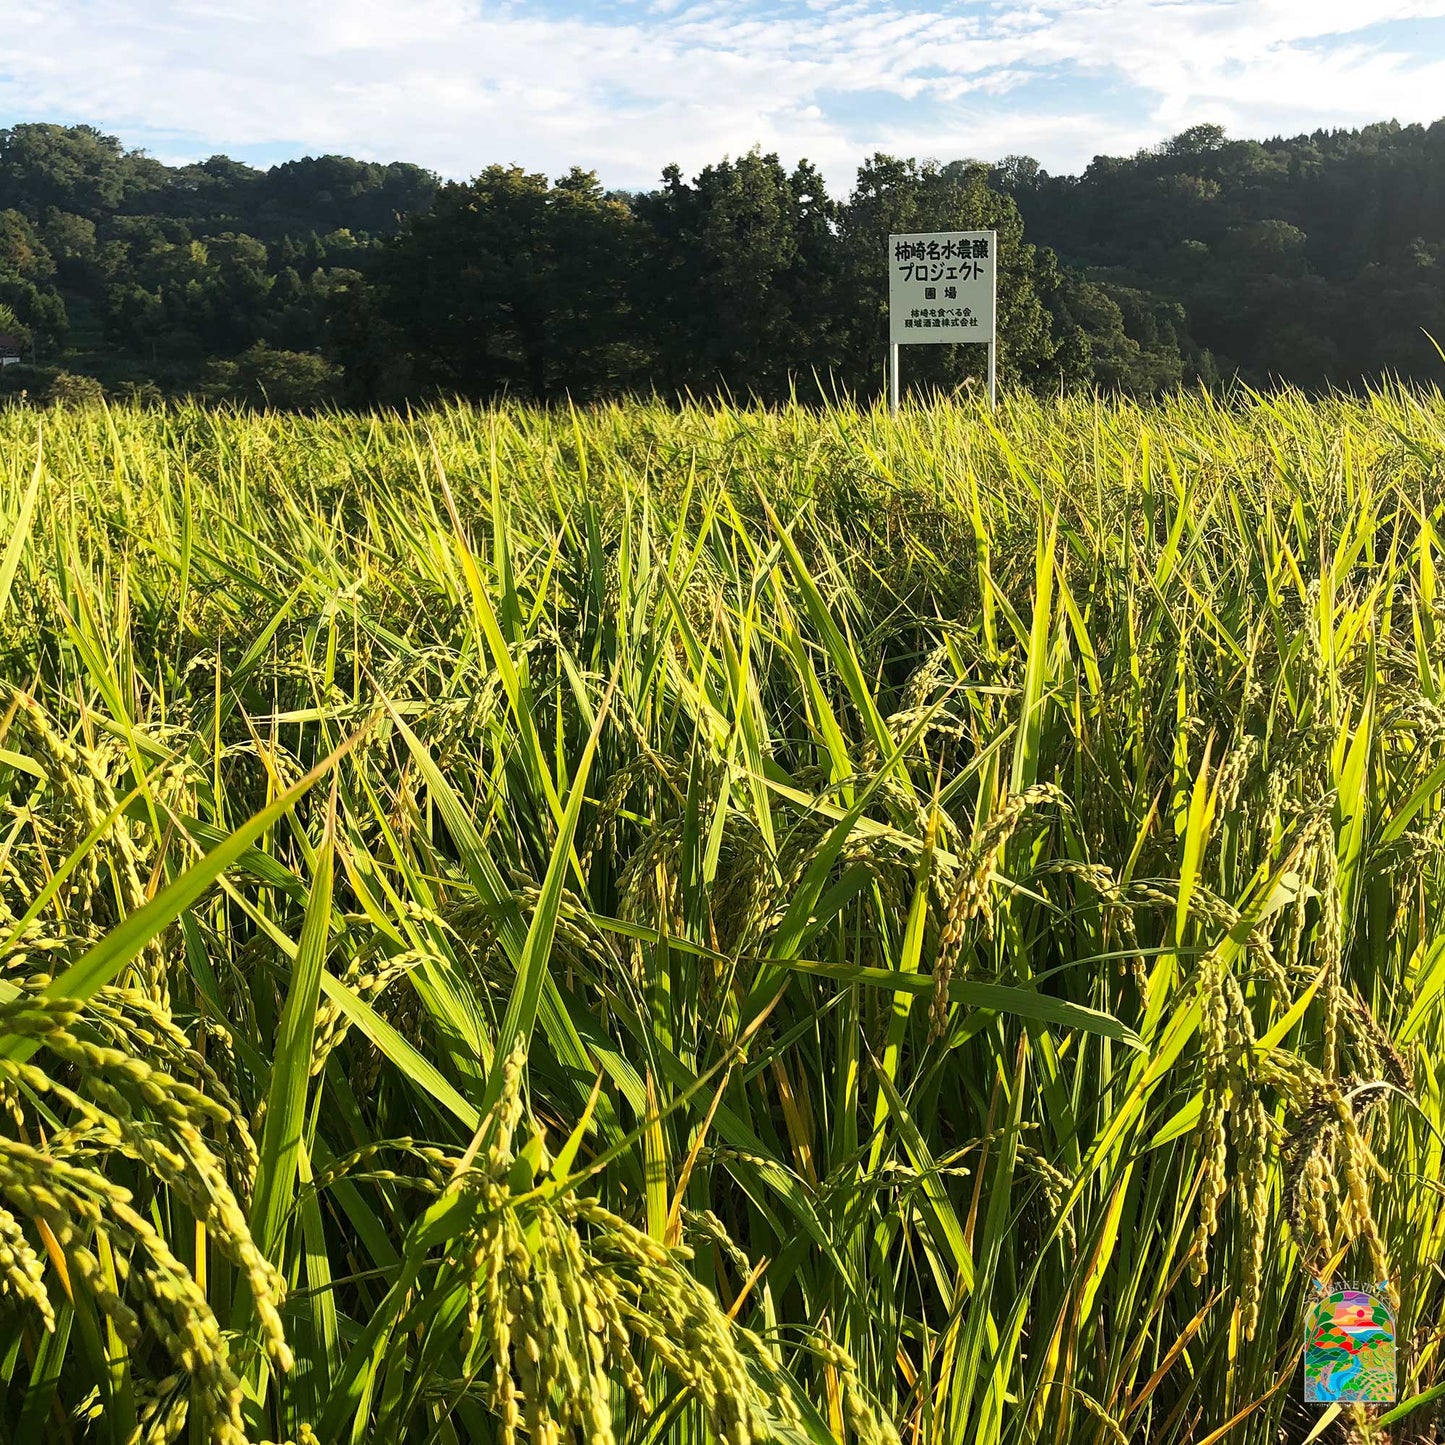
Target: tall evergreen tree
737	284
513	284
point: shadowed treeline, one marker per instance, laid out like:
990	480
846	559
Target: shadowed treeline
1314	260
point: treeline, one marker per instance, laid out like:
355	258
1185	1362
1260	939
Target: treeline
1316	260
748	279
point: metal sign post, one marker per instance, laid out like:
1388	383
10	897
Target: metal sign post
942	286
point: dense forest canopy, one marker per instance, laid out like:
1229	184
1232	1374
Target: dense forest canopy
1318	260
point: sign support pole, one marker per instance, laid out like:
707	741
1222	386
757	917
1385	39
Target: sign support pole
993	340
893	351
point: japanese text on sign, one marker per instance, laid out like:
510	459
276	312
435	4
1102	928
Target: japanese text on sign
941	286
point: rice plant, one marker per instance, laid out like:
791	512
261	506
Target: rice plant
637	925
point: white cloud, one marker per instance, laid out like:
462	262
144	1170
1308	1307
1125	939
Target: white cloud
455	84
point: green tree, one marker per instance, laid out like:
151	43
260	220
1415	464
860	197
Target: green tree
72	241
12	325
263	376
513	284
69	388
377	366
1294	259
328	193
22	252
72	168
1135	343
739	282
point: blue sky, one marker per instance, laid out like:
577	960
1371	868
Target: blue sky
626	86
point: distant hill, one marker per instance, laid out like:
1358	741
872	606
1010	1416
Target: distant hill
1315	259
129	269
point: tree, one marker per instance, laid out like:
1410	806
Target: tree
372	352
1198	140
1314	259
1134	342
512	284
334	192
12	325
261	376
71	389
22	253
75	168
178	264
738	283
40	312
71	241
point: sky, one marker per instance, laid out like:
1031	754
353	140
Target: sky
624	87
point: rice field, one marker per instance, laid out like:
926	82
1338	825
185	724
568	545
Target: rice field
722	925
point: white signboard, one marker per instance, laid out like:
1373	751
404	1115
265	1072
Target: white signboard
941	286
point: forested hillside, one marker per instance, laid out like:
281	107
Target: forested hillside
117	266
1315	260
